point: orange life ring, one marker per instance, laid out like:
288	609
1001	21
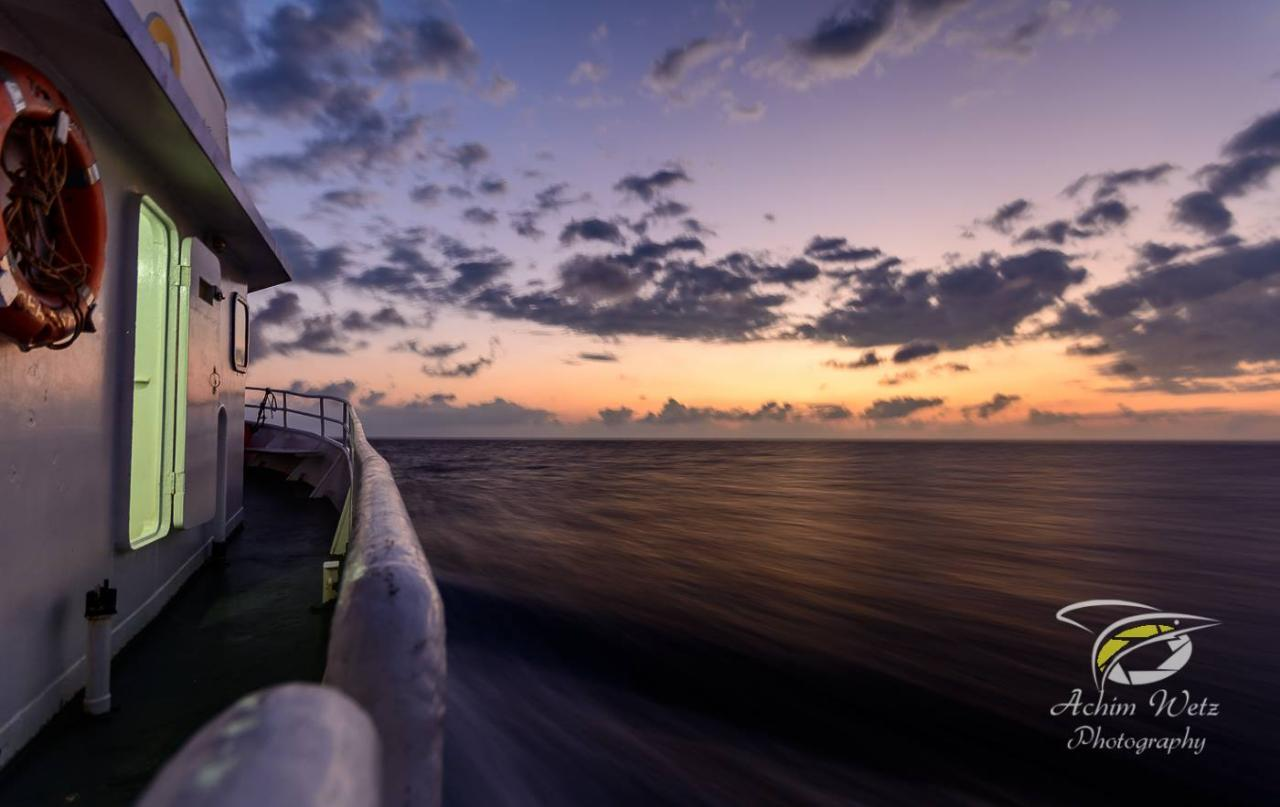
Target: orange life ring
51	271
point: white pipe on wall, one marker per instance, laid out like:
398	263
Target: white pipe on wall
99	608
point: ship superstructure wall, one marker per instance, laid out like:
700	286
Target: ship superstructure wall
65	442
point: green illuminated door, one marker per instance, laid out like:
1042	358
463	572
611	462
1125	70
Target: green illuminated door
159	361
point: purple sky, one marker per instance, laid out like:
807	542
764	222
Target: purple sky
589	219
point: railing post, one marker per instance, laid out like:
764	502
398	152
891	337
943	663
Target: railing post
322	416
285	395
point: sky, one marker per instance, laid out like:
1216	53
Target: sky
884	218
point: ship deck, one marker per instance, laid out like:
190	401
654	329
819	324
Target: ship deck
246	620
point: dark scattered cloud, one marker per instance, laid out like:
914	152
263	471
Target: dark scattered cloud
346	198
492	186
968	304
1008	214
592	230
1099	218
669	71
481	216
830	412
439	350
1153	253
318	334
845	41
868	359
428	48
468	155
1109	184
603	356
617	417
896	379
828	250
1041	417
427	194
439	414
382	319
465	369
609	295
647	187
1176	324
334	389
223	29
896	408
1089	349
998	403
1203	211
472	275
309	264
674	413
915	350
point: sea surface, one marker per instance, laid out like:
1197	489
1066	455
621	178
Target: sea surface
795	623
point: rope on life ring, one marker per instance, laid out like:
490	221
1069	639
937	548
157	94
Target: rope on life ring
53	226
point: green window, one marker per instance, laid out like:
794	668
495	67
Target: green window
159	378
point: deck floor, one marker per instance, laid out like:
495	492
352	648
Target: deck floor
243	621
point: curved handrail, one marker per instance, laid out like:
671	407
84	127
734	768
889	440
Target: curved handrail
269	393
297	744
387	637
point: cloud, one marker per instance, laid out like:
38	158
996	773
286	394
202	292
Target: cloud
670	70
223	29
429	48
347	198
472	275
366	141
896	408
998	403
830	412
406	272
440	350
319	334
965	305
674	413
1212	316
845	42
1108	184
588	72
737	111
334	389
591	230
499	90
283	308
438	415
617	417
1040	417
1099	218
309	264
646	187
427	195
1089	349
603	357
481	216
383	318
868	359
1201	210
914	350
840	46
675	299
465	369
468	155
1007	215
492	186
829	250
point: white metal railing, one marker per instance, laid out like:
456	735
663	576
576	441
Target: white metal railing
374	733
275	402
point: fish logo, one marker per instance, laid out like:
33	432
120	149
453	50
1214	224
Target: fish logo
1144	648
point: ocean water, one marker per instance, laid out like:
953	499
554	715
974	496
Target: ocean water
792	623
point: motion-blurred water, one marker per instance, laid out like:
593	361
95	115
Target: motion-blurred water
839	622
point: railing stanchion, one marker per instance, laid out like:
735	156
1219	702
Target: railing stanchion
285	393
322	423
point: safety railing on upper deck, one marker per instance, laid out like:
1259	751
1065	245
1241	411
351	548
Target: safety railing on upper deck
273	404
